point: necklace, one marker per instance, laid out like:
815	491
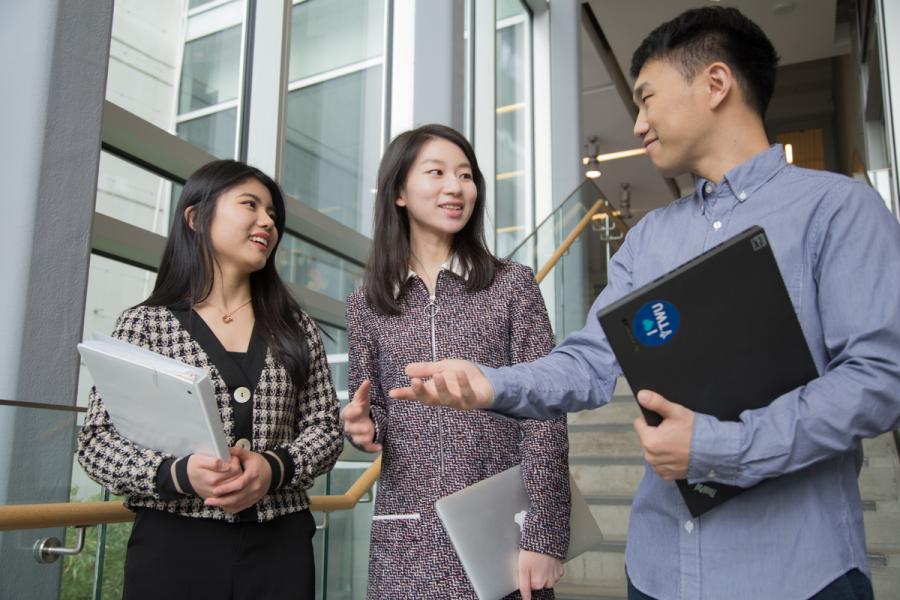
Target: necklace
227	316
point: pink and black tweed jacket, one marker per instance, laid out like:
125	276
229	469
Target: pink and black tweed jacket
430	452
303	421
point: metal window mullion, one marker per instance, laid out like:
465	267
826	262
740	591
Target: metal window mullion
335	73
206	111
485	94
268	85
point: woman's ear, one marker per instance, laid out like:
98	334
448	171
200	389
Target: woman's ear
189	217
401	199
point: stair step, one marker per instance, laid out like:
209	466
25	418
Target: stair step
886	576
602	568
604	443
882	523
624	411
881	446
878	478
567	591
609	479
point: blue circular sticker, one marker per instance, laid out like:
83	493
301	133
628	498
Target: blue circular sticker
655	323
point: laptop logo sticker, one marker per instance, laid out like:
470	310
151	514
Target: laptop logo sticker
759	241
655	323
520	519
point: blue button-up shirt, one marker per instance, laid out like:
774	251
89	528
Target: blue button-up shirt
838	249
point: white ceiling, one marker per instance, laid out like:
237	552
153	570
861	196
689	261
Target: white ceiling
806	32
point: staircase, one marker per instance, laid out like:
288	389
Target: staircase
606	462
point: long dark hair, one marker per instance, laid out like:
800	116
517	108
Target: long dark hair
185	275
389	259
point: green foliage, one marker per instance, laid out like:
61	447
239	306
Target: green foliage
78	571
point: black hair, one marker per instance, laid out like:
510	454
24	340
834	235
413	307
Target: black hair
388	264
700	36
185	276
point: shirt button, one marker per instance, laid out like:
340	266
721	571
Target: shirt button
243	443
717	225
742	196
708	188
711	474
689	526
242	394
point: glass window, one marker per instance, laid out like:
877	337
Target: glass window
514	208
329	34
210	72
334	132
131	194
332	146
336	347
215	132
305	264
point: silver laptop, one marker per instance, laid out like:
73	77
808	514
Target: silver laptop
484	522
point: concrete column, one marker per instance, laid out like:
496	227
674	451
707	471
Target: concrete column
55	57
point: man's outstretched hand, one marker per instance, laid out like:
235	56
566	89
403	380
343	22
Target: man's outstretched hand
454	383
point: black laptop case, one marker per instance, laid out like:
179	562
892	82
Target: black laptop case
718	335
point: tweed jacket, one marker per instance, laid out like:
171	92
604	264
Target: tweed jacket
430	452
303	422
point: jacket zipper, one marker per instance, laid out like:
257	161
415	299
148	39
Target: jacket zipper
431	309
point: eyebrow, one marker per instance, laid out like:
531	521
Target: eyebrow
638	91
258	199
462	165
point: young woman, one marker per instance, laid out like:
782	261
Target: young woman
207	528
433	291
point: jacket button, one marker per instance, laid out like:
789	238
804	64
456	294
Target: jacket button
242	394
243	443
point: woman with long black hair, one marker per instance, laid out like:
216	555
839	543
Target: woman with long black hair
434	291
208	528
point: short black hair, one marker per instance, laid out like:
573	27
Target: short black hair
700	36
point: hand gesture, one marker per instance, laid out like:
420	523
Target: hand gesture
667	447
246	490
537	572
455	383
206	472
357	419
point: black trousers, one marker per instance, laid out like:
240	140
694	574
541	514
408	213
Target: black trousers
181	558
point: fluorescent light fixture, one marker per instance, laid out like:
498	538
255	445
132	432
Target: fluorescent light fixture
789	153
621	154
592	173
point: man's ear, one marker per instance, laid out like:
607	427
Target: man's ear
189	217
719	82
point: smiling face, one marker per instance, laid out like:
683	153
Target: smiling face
673	116
243	233
439	193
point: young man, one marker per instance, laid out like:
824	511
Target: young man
702	84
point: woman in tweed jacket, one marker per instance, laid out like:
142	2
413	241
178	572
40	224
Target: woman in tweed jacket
207	528
432	292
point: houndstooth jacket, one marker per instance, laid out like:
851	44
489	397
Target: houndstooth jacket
430	452
303	422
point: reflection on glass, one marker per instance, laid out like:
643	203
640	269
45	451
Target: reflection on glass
348	539
332	146
131	194
214	133
210	70
146	43
319	270
336	347
329	34
514	205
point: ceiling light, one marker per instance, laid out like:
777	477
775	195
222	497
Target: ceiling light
591	165
789	153
620	154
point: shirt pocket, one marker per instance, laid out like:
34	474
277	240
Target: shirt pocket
396	528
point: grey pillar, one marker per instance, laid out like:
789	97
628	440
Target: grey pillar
55	56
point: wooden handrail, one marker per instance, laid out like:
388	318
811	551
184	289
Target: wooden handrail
83	514
74	514
570	239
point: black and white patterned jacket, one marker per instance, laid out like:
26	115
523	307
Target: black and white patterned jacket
301	425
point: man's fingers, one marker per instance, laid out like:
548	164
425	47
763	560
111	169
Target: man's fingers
653	401
465	388
422	369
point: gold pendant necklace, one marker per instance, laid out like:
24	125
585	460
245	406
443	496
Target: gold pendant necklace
227	316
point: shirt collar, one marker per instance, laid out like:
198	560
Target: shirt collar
744	179
452	264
